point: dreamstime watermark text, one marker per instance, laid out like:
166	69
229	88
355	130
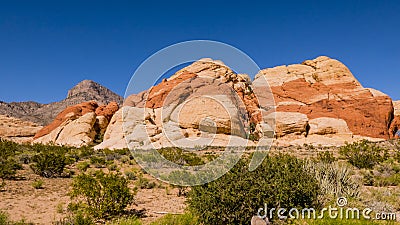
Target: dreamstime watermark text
340	211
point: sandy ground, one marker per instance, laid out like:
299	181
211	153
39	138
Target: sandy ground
44	206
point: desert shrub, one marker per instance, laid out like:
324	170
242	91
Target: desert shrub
83	166
4	218
126	221
25	158
37	184
364	154
334	179
384	174
8	164
184	219
113	167
101	195
124	151
326	157
97	161
280	181
49	161
130	175
181	157
84	151
144	183
76	219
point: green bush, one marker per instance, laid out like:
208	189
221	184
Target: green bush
4	218
49	161
326	157
144	183
8	164
76	219
131	175
235	198
364	154
184	219
126	221
98	162
384	174
102	195
37	184
181	157
83	166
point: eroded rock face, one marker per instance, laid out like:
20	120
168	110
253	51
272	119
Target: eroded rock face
324	87
72	132
16	129
202	104
77	125
70	113
316	102
396	105
394	129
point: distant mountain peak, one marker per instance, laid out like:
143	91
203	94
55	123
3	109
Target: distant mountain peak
87	86
43	114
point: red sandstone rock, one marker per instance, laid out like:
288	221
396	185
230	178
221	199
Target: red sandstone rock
74	112
325	88
107	110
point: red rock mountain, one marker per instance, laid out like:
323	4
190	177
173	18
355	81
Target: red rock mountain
318	101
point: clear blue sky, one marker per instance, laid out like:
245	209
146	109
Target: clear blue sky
46	47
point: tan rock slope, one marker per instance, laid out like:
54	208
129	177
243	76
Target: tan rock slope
16	129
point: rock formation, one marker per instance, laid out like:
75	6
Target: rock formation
316	102
17	130
78	125
324	87
44	114
206	103
394	129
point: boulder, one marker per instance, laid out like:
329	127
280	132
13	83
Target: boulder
328	126
288	123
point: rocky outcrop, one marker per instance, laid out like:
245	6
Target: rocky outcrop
316	102
16	129
72	132
69	114
324	87
394	129
77	125
203	104
396	105
44	114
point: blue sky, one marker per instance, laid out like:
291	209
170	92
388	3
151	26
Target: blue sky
46	47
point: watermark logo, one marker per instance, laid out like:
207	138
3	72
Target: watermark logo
340	211
195	109
341	201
